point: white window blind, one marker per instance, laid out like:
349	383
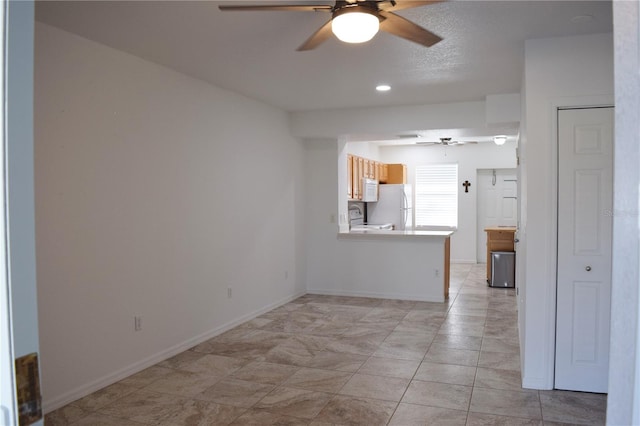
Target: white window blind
436	195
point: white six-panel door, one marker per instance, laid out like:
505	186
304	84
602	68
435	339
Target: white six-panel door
585	203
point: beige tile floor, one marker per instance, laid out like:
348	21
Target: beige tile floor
323	360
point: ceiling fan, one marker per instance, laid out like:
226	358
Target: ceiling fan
446	142
350	16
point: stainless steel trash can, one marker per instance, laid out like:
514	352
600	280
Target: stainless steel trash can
503	269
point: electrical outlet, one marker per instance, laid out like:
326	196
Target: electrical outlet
137	323
332	218
286	274
437	272
229	293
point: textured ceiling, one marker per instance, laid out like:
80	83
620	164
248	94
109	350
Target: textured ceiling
254	53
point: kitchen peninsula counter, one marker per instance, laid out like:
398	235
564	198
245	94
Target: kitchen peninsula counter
408	265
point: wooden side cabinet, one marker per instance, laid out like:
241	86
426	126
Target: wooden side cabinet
498	239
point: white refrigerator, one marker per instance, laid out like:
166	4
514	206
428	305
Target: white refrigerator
393	206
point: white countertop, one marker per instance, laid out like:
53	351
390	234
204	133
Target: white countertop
393	234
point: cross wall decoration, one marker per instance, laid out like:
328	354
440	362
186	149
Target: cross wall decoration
466	185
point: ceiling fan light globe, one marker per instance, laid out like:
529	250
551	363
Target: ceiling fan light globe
355	27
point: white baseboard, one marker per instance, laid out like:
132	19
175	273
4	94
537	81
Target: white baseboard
84	390
465	261
537	383
375	295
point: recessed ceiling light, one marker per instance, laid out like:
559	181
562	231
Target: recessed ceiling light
500	139
383	88
582	19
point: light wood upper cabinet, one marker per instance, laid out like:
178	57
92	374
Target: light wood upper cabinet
384	172
349	176
358	176
355	172
358	168
397	173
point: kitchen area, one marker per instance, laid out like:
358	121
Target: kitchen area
380	231
391	263
379	252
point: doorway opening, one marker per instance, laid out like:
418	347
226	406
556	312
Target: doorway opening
496	204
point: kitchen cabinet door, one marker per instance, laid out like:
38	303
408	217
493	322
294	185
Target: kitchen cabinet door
349	176
384	173
359	177
355	170
397	173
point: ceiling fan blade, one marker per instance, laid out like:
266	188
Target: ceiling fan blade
279	8
406	4
317	38
401	27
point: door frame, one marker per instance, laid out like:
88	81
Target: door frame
19	304
573	102
8	403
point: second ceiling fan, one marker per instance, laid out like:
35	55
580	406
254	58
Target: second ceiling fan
446	142
356	21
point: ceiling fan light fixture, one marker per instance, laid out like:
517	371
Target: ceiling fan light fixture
500	139
355	26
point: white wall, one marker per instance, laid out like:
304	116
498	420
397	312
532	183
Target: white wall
623	402
469	158
154	193
566	71
387	120
364	149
